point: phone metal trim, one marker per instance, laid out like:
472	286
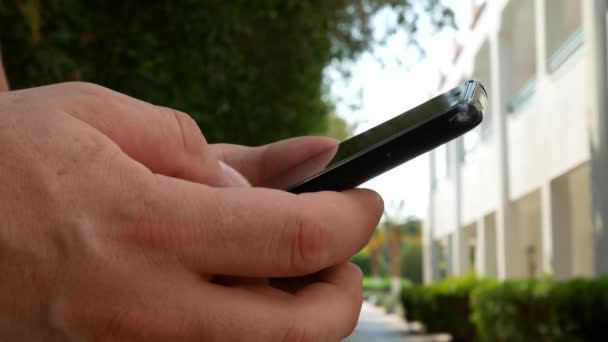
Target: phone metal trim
473	95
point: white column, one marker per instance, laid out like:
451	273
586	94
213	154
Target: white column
481	249
490	231
541	40
459	242
429	257
505	237
594	27
555	232
547	234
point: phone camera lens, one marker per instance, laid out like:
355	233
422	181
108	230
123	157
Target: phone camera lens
461	118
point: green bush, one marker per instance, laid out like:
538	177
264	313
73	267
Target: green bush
542	310
363	260
383	284
582	307
376	285
443	306
411	262
515	310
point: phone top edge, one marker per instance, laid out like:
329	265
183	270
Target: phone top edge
476	95
465	98
349	175
472	94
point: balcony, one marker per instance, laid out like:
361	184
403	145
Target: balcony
518	52
564	32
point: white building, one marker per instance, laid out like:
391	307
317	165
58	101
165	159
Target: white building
526	193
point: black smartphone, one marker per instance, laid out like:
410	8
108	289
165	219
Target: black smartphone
390	144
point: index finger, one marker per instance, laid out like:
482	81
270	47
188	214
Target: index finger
255	232
263	163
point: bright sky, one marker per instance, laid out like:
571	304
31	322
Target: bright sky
402	83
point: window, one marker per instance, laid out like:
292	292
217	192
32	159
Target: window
564	33
518	51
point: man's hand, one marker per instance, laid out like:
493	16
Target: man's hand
116	213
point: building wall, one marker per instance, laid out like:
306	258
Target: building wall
524	193
479	183
444	205
550	134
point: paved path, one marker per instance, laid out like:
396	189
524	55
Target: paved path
374	325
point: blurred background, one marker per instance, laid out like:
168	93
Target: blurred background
500	235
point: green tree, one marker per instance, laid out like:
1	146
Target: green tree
338	128
412	226
248	71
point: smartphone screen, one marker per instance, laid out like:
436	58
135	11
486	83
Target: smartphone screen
382	138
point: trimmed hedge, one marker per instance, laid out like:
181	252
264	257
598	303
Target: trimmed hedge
542	310
443	306
376	285
470	309
382	285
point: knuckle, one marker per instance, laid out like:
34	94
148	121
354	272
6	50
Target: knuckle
121	322
86	88
88	97
99	151
133	210
95	319
137	196
126	323
309	241
136	323
189	134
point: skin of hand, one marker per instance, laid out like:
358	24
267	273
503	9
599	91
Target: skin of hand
116	215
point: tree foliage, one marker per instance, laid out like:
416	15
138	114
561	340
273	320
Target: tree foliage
411	263
248	71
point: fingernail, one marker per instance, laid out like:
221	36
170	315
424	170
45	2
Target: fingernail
235	178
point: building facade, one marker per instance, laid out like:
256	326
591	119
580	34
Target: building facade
526	193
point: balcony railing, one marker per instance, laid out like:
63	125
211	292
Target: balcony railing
522	96
566	50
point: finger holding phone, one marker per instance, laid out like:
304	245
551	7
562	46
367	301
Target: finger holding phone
117	214
119	217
